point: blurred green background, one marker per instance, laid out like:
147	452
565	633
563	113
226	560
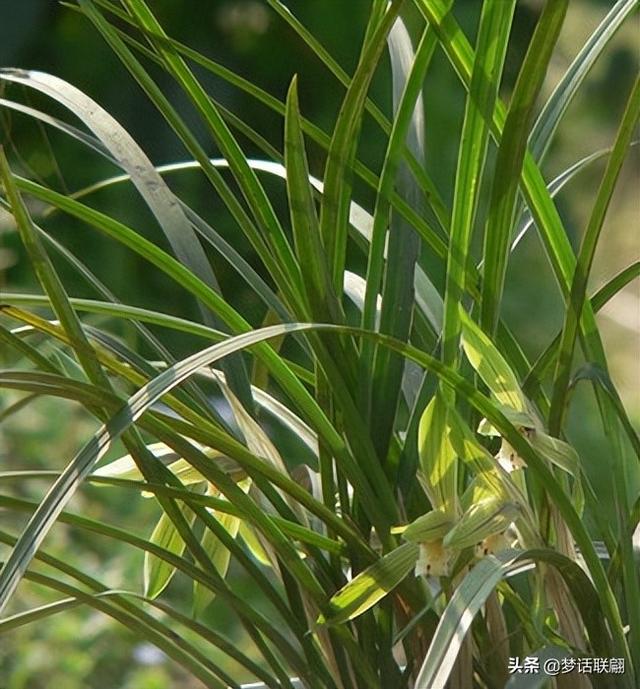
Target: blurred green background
81	648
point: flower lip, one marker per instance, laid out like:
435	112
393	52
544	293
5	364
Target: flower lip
434	560
495	543
507	456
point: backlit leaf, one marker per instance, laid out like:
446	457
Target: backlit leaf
366	589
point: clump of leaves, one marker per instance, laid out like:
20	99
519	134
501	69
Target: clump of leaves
438	512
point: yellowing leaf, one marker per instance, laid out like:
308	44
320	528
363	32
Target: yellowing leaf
476	491
482	463
126	468
259	442
252	542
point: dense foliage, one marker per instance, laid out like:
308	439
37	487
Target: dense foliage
336	456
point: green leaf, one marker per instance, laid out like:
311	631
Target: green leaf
467	599
335	203
368	587
586	254
246	612
64	388
556	185
556	451
304	220
394	279
471	595
64	488
483	519
120	606
493	32
20	557
158	573
438	461
257	200
533	379
547	219
48	278
220	557
603	380
547	122
134	313
291	384
428	527
491	366
11	340
314	132
320	51
149	183
511	153
130	157
284	278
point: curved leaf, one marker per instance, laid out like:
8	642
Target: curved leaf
437	459
158	573
471	595
64	488
482	520
492	368
545	126
368	587
149	183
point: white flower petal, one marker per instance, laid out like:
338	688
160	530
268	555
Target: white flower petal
434	560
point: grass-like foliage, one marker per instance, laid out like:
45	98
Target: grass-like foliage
420	516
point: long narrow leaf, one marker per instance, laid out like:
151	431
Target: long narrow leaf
587	252
511	152
149	183
471	595
397	280
366	589
495	23
255	195
335	206
547	122
62	491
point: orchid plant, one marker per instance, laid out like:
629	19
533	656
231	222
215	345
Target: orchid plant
421	515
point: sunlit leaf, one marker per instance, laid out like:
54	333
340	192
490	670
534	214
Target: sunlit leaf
483	519
158	573
492	368
437	458
371	585
220	557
